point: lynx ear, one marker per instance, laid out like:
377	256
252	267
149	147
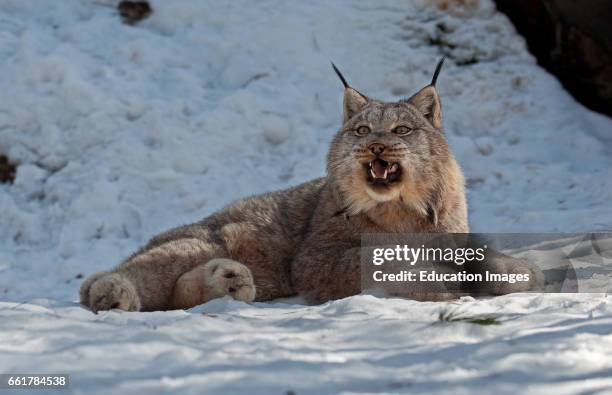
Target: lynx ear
428	103
353	103
353	100
427	100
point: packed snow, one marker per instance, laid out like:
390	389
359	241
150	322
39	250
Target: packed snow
120	132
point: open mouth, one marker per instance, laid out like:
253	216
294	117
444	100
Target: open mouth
380	172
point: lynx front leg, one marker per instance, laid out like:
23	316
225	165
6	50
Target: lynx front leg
334	272
501	264
146	280
323	273
214	279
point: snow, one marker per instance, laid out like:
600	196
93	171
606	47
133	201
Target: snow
542	344
121	132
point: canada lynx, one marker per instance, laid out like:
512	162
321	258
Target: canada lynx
389	170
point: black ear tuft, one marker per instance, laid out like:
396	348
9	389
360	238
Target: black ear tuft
437	72
346	85
354	101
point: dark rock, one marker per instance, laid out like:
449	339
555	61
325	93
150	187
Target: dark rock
573	40
133	12
7	170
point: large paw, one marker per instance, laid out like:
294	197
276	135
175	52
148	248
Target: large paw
228	277
536	281
516	266
107	291
86	286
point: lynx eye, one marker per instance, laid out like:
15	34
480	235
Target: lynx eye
362	131
402	130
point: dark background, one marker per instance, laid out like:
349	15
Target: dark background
571	39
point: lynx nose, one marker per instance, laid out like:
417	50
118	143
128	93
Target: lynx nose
377	148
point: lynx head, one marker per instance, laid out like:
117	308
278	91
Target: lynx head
388	152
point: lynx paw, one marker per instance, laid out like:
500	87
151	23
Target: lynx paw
536	277
107	291
227	277
514	266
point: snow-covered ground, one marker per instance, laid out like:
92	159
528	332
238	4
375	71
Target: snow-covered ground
548	344
121	132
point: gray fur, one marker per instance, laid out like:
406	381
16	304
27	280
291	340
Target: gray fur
294	241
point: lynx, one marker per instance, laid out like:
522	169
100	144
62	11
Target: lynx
389	170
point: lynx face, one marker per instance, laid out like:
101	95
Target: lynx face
388	151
